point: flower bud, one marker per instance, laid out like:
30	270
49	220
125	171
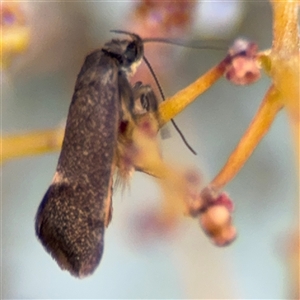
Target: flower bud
242	67
216	222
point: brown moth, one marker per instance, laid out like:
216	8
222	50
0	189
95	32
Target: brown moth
76	208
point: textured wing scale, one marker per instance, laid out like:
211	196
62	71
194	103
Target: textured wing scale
71	219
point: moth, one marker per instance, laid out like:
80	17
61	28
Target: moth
71	219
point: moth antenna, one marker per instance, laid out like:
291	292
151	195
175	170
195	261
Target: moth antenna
221	45
183	137
154	77
163	97
125	32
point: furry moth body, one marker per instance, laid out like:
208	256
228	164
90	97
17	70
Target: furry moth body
76	208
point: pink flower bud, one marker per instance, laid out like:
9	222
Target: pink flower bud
216	222
242	67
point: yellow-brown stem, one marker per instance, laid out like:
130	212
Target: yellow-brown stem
285	60
285	25
255	132
31	144
285	69
50	140
174	105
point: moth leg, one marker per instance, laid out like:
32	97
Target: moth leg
146	97
137	99
141	132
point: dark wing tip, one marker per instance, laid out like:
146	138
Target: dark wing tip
75	244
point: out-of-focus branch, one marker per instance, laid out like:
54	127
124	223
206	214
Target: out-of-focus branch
174	105
50	140
32	143
285	60
259	126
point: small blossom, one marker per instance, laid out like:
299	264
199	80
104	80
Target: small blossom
214	212
242	67
216	222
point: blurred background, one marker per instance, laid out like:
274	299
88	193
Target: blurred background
37	86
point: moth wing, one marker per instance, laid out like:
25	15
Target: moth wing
72	216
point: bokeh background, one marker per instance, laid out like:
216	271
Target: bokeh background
36	92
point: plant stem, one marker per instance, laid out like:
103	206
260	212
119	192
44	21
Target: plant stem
33	143
174	105
255	132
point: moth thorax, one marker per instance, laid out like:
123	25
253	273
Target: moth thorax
131	69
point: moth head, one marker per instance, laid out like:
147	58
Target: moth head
128	53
